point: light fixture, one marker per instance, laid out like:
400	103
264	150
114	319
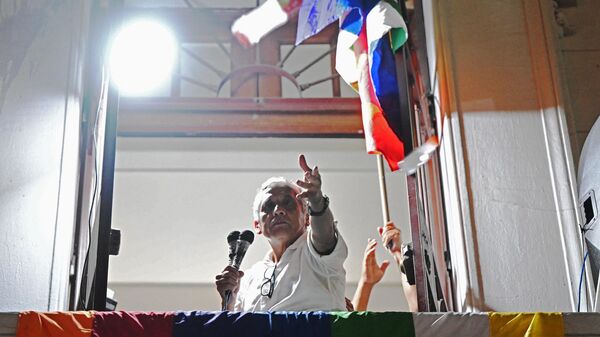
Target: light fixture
142	56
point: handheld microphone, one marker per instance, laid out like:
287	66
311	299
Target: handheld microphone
246	239
232	241
238	245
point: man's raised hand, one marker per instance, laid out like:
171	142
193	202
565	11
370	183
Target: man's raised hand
311	184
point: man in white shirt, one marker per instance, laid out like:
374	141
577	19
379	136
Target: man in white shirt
304	270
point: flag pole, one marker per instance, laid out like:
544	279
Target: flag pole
383	190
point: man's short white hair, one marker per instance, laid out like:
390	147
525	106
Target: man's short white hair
265	186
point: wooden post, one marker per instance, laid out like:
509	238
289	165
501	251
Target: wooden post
383	190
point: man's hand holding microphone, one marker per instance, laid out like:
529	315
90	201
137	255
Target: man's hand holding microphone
228	281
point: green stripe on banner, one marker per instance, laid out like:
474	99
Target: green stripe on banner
372	324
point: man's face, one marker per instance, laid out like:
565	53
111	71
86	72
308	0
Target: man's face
282	217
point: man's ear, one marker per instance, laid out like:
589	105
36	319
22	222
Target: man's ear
256	226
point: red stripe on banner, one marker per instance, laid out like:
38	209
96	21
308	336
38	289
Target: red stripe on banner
133	324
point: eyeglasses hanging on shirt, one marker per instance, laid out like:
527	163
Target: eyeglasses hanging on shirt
266	289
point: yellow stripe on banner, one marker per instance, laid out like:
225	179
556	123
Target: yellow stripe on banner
526	324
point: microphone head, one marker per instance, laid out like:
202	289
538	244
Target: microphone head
233	236
247	236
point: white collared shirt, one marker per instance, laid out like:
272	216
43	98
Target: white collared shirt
304	280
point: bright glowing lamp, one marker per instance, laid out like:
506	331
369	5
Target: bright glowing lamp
142	56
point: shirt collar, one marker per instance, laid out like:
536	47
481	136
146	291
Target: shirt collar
299	241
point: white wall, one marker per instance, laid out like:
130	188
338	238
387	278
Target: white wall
509	180
177	199
40	58
580	56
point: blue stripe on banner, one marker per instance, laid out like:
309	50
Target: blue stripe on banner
301	324
233	324
223	324
385	82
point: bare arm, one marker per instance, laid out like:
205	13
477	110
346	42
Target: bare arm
371	274
323	230
410	292
391	239
322	236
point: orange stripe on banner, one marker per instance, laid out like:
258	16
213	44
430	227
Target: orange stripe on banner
55	324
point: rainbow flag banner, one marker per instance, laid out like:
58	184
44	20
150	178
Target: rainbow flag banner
300	324
370	33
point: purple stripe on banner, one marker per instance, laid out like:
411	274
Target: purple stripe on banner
233	324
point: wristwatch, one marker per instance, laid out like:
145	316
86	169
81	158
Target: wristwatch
312	212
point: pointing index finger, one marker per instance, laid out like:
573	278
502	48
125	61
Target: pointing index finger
303	165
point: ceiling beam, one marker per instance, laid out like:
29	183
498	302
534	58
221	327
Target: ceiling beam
229	117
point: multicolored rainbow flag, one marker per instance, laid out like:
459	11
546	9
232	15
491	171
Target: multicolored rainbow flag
287	324
371	31
370	34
